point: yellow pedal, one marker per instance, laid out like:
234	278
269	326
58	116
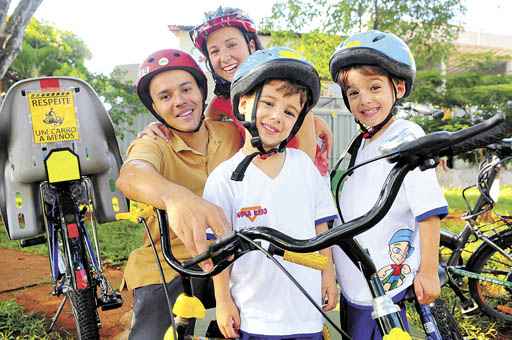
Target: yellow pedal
189	307
325	333
397	334
169	334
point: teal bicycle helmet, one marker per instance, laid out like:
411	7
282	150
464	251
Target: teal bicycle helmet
279	63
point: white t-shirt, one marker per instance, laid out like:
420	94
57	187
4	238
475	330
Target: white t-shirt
393	243
292	202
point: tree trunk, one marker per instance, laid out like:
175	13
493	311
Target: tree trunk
13	29
376	13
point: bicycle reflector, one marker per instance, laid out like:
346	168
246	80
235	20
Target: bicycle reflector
62	165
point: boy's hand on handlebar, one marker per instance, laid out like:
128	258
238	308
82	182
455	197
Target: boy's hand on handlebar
155	129
329	289
189	218
427	287
228	318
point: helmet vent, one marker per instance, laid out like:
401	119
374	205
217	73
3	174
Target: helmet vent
176	54
379	37
150	60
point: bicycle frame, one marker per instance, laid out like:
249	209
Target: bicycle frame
70	234
385	312
454	266
64	199
54	130
417	153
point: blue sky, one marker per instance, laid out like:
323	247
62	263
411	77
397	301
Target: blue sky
124	32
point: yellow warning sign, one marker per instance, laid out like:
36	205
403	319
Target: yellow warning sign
53	116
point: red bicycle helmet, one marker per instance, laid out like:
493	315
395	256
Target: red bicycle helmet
166	60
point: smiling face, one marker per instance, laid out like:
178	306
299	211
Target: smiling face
370	94
278	109
227	49
177	99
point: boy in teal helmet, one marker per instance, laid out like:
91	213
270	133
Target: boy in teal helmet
268	184
375	70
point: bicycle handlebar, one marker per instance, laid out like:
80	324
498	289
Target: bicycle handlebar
407	157
445	143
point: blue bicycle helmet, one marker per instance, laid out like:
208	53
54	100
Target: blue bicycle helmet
261	66
375	48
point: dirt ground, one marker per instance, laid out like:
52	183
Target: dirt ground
25	278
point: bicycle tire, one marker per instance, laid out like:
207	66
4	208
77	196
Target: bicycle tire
446	323
83	306
493	299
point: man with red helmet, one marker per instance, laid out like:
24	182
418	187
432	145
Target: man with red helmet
170	174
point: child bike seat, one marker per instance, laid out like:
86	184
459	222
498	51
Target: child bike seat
40	115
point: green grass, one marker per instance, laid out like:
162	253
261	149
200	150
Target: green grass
18	325
457	204
117	240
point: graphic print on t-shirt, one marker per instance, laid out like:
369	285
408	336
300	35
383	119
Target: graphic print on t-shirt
400	248
251	213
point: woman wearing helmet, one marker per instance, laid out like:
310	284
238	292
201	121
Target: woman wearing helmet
226	38
170	175
375	70
272	93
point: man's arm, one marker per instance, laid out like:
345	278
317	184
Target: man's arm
189	213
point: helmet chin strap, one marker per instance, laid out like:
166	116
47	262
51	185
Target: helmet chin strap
239	172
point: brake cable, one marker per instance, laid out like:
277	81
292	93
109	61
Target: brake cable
297	284
349	172
162	276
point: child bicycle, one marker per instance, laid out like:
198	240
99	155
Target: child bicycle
59	157
489	267
422	152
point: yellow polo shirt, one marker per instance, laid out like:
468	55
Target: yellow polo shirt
179	163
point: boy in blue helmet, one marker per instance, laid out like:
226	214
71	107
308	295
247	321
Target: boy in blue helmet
375	70
267	184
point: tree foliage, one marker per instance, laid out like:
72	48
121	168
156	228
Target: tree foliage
475	89
426	25
49	51
120	100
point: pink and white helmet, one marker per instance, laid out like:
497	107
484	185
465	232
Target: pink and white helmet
224	17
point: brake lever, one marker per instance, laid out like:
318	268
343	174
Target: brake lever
222	250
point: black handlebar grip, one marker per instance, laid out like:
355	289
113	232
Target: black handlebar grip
478	129
493	135
443	143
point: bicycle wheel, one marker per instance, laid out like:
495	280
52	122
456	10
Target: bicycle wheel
83	305
446	323
493	298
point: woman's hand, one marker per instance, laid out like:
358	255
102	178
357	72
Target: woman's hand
156	129
323	132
